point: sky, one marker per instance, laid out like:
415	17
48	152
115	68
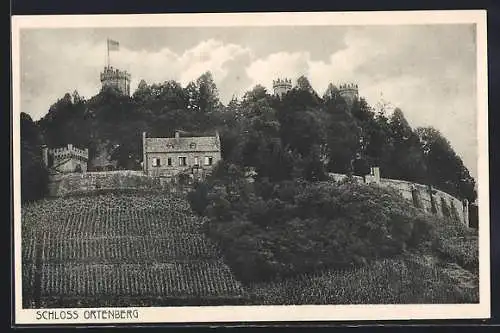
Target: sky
429	71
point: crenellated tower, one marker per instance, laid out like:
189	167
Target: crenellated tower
349	92
282	86
117	79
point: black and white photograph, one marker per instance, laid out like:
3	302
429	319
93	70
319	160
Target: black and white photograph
250	167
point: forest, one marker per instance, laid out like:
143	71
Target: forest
303	135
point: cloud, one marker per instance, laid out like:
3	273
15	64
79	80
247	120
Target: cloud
425	72
51	68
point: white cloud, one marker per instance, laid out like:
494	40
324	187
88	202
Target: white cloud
77	67
387	64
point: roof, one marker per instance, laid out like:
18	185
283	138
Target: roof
183	144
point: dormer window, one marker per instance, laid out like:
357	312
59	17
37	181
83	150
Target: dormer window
192	145
170	146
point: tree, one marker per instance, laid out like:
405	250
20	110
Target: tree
445	168
208	99
77	99
407	157
332	93
304	84
34	175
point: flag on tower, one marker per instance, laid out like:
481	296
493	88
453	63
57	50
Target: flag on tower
113	45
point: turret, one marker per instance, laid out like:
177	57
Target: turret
349	91
113	77
282	86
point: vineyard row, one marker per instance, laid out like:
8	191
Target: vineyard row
177	279
121	249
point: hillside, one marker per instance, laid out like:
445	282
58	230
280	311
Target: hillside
285	229
296	242
120	249
140	249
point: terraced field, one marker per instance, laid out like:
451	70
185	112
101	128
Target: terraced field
121	249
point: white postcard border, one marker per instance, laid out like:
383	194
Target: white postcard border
270	313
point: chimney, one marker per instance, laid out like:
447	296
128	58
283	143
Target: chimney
177	134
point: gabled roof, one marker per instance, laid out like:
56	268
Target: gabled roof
183	144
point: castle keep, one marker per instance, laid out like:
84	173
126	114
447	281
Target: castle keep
282	86
66	159
117	79
169	157
349	92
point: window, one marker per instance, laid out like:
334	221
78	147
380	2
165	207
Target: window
156	162
196	160
182	161
169	161
208	160
192	145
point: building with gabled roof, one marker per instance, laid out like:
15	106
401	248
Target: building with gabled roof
170	157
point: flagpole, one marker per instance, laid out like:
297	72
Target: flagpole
107	44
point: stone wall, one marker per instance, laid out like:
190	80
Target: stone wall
70	165
425	197
89	182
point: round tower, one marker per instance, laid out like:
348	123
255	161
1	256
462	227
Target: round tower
282	86
349	92
115	78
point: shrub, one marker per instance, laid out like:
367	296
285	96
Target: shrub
198	198
287	228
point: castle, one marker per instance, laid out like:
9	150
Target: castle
117	79
282	86
66	159
349	92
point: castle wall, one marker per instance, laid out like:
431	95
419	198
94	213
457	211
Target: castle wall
421	196
67	159
81	183
71	165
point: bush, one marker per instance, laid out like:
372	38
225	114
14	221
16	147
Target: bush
198	198
283	229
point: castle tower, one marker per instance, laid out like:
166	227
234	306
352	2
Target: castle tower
281	87
117	79
349	92
113	77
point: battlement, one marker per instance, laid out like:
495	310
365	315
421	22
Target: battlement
349	91
282	86
348	86
69	151
110	73
115	78
282	82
